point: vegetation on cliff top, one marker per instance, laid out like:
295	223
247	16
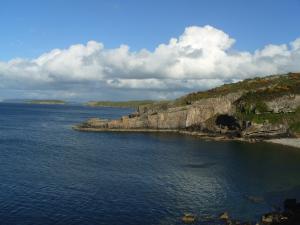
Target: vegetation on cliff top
265	88
292	119
255	90
251	106
254	107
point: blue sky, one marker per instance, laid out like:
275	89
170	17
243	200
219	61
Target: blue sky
33	28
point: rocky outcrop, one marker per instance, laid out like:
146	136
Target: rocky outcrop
213	115
284	104
230	110
265	131
201	111
158	117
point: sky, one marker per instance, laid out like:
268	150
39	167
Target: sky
119	50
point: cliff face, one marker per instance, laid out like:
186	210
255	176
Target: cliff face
228	113
171	118
284	104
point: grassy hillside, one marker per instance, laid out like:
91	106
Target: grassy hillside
256	92
260	88
292	119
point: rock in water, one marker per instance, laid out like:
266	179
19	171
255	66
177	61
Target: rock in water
188	218
255	199
224	216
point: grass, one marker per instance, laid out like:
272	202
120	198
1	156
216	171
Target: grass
266	88
292	119
252	106
295	127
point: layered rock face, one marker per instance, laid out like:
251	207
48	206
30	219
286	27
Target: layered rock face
171	118
284	104
265	131
201	111
203	115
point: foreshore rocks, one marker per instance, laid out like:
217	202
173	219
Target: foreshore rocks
289	215
266	131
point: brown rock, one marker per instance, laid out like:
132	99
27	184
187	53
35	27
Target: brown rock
224	216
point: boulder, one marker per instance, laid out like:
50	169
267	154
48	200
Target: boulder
188	218
224	216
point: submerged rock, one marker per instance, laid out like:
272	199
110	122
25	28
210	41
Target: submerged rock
224	216
189	218
255	199
289	216
275	218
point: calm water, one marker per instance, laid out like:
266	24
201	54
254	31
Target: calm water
51	174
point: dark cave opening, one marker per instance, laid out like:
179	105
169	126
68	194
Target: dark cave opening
228	121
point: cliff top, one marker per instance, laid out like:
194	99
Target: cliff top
268	87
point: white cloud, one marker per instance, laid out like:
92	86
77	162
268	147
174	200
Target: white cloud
200	58
296	44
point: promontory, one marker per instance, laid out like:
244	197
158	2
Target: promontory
253	109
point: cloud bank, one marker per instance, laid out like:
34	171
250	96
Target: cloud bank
200	58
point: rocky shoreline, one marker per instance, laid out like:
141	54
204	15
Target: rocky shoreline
288	215
207	136
291	142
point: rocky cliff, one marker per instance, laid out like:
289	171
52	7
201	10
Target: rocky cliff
259	108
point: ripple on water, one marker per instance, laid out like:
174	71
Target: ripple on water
51	174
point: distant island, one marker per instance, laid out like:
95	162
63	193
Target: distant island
121	104
254	109
46	102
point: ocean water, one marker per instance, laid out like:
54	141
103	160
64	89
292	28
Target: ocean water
51	174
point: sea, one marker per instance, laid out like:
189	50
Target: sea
51	174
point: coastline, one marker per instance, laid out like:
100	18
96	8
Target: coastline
291	142
202	135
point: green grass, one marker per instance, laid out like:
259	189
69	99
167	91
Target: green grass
295	127
292	119
268	87
252	107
